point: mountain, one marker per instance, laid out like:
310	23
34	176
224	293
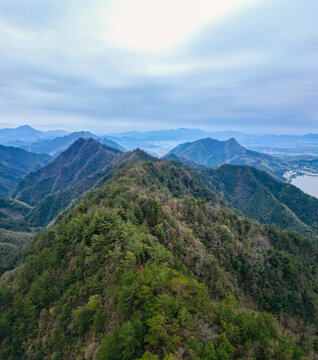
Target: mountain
57	145
22	133
26	134
53	190
260	196
83	158
161	141
53	204
15	163
56	187
282	145
153	266
19	222
211	153
156	142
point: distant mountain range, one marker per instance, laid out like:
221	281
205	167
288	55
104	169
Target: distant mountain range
160	142
57	145
212	153
23	135
15	163
87	164
195	134
51	187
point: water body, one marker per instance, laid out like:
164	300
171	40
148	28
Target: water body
307	183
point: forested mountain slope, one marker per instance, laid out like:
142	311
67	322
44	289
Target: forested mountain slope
54	203
19	221
153	265
81	159
14	230
15	163
264	198
12	213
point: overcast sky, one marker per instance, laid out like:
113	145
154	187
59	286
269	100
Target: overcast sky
118	65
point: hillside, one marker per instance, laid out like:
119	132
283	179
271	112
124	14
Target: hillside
15	163
212	153
153	266
14	231
183	160
12	214
83	158
56	146
267	200
61	201
63	181
19	221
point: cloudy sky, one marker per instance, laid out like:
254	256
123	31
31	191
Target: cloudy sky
118	65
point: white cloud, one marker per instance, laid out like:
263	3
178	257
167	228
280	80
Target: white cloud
164	63
160	25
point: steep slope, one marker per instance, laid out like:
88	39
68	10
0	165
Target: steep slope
15	163
61	201
57	145
82	158
19	222
211	153
267	200
138	270
11	242
111	143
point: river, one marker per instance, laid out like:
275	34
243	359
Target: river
307	183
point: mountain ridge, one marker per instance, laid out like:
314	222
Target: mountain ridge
83	157
151	263
56	146
262	197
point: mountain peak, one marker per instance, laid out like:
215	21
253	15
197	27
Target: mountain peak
212	153
82	158
232	140
25	127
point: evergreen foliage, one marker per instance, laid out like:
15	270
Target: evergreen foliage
152	265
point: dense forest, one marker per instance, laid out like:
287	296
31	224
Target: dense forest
154	265
259	195
14	231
